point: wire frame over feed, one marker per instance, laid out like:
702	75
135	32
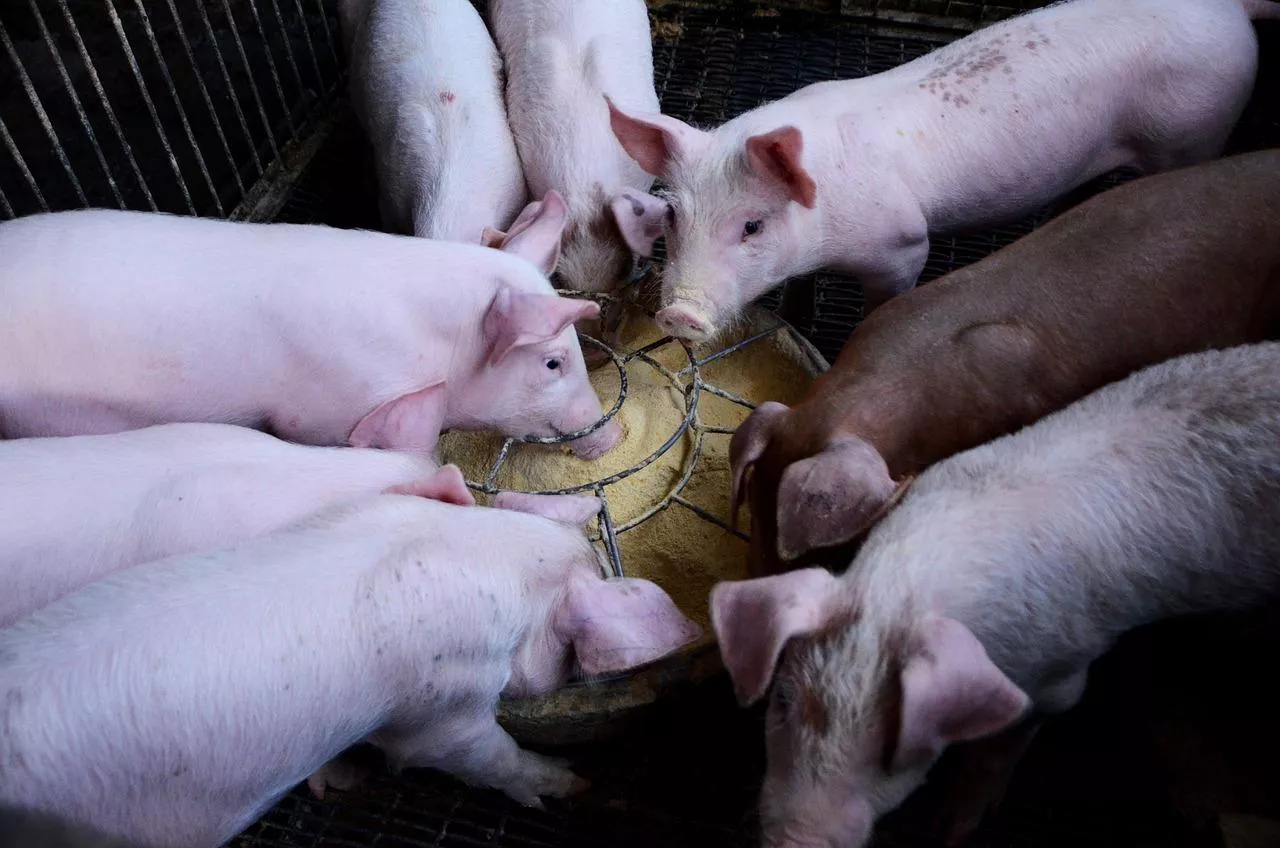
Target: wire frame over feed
164	105
690	382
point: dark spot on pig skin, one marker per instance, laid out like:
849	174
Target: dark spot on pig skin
447	96
437	658
179	771
813	713
1030	45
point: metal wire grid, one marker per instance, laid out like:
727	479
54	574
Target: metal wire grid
691	384
162	105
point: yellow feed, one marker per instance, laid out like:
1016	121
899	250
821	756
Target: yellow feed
675	548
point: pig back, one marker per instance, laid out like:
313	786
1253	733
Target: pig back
1162	266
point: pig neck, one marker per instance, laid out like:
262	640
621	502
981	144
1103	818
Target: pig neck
544	660
865	405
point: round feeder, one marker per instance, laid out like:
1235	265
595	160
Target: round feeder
664	492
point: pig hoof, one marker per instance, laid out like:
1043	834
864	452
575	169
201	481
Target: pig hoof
549	777
684	323
340	773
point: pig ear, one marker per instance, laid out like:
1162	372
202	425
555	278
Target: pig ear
754	620
776	155
831	497
640	217
621	623
747	445
535	233
951	692
408	423
574	510
446	484
652	140
516	319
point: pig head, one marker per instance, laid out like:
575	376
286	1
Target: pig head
606	625
531	379
807	487
858	715
739	217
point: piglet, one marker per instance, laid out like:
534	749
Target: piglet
174	702
1159	267
855	175
979	603
119	320
563	58
82	507
426	85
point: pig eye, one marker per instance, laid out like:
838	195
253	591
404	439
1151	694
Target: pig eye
751	228
553	364
671	214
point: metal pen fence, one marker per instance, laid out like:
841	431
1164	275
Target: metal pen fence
183	106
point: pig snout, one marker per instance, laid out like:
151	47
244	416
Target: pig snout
686	320
597	444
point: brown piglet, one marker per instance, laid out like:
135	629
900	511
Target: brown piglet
1163	266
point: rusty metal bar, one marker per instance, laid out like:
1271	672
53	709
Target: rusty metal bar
288	48
253	86
275	75
231	91
328	34
76	104
311	48
22	165
92	71
151	106
177	104
42	115
204	94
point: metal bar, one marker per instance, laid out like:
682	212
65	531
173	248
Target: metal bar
177	103
492	479
328	34
231	91
311	48
75	102
5	205
42	116
275	75
22	165
719	392
706	516
607	534
288	48
208	101
253	86
92	70
151	107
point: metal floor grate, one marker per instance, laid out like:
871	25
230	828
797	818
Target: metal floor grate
689	776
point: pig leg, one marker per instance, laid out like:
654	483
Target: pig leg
979	778
895	269
344	773
481	753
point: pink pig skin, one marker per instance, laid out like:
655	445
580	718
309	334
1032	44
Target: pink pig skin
979	603
82	507
856	175
426	83
119	320
174	702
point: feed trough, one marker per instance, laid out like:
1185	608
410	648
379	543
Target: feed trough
664	492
